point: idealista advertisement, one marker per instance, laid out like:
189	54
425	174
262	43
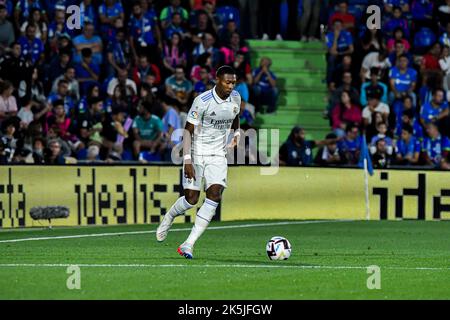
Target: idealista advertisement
322	193
111	195
105	195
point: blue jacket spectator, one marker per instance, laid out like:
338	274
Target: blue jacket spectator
422	10
351	144
227	13
111	17
396	21
32	47
344	38
264	85
436	148
141	27
402	80
423	39
88	40
434	110
88	13
407	148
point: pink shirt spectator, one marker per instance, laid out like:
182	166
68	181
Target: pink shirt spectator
348	115
174	56
391	45
229	54
63	126
198	4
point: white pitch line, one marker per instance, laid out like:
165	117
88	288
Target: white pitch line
270	224
237	266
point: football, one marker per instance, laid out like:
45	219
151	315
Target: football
278	248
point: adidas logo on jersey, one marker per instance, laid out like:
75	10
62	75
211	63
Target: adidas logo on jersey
213	114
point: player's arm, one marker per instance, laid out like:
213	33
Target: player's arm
193	119
236	130
236	126
187	142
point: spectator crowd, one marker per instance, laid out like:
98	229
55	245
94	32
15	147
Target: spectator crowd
117	88
389	85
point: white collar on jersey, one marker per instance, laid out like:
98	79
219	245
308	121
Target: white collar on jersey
218	99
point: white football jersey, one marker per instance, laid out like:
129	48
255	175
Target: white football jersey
212	118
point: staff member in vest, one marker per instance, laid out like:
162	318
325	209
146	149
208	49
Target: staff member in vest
297	151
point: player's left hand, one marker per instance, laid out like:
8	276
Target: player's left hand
233	143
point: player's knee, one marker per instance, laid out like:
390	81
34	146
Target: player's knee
214	195
191	197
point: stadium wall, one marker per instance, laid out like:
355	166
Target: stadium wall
110	195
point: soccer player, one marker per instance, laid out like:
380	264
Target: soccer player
208	125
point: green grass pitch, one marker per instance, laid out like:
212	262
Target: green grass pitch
329	261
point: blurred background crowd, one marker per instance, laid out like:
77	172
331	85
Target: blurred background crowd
116	89
388	84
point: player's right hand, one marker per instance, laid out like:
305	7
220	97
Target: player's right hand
189	172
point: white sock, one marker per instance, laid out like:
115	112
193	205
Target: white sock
204	217
179	207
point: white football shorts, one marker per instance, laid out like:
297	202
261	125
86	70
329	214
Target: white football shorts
213	169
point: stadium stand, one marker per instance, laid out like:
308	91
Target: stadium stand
396	74
116	88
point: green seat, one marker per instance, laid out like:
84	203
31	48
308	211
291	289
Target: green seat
301	71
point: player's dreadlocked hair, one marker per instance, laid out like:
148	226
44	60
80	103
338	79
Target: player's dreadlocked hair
223	70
